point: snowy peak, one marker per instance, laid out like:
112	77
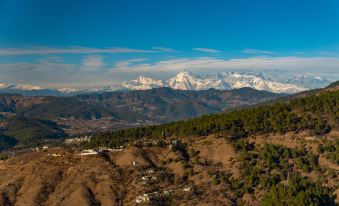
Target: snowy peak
148	81
143	83
184	74
309	81
86	90
19	87
27	87
67	90
4	85
230	80
186	80
258	82
28	90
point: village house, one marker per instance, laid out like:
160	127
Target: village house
167	192
187	189
55	155
89	152
143	198
77	139
150	171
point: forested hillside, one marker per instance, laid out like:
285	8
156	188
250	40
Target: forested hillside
316	113
284	173
156	105
28	120
30	132
27	132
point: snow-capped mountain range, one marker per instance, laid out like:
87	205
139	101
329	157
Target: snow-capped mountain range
143	83
309	81
186	80
19	87
28	90
31	90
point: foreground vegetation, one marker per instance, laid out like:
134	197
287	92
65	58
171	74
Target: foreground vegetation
331	151
277	170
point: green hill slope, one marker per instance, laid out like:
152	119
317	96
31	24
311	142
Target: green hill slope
28	131
156	105
316	113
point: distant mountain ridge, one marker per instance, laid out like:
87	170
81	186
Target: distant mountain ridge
28	90
309	81
186	80
156	105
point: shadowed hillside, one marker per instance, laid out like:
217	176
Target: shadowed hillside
159	105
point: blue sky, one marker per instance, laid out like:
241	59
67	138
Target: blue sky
66	43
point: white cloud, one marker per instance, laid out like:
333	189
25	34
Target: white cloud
67	50
42	73
164	49
47	73
257	51
126	63
202	65
95	61
206	50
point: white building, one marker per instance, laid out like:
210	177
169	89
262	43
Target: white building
143	198
89	152
187	189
